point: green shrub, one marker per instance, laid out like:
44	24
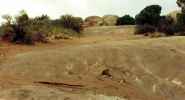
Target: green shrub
166	25
180	26
23	29
7	33
56	30
68	21
142	29
181	19
126	20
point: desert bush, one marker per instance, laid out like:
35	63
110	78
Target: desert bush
170	30
40	26
181	19
24	29
126	20
180	25
166	25
169	27
39	37
142	29
21	34
16	31
68	21
56	30
7	33
22	19
8	18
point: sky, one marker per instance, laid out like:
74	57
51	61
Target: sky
82	8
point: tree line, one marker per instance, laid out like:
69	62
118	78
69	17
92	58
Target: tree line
149	21
23	29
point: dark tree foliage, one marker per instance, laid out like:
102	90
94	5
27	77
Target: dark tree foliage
180	25
142	29
126	20
21	29
181	19
166	25
148	19
149	15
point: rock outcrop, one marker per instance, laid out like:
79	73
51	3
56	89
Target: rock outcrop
107	20
110	20
93	21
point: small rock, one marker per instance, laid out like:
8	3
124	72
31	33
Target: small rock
67	98
106	72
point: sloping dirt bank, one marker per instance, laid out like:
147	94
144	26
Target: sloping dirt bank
148	69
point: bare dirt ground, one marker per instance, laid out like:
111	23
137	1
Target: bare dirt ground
107	63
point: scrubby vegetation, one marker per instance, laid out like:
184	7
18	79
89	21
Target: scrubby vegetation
68	21
126	20
28	30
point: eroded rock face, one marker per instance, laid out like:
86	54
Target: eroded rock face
110	20
93	21
107	20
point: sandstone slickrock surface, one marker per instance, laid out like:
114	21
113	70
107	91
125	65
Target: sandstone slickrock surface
149	69
93	21
107	20
110	20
